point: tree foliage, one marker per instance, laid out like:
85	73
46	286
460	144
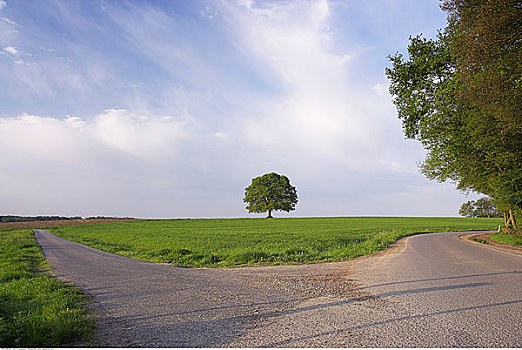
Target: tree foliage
467	209
487	45
460	96
481	208
270	192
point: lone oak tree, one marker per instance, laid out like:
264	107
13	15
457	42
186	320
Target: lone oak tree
270	192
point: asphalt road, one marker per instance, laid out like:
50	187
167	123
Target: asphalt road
431	290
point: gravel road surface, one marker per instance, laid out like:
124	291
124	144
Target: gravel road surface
431	290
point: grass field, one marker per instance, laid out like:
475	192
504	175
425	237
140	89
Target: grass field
507	239
35	309
235	242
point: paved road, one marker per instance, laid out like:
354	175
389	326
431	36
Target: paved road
430	291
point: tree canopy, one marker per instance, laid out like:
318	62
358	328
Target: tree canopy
270	192
481	208
460	96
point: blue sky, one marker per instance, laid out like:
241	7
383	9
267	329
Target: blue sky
170	108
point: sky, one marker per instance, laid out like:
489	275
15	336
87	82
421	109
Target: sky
168	109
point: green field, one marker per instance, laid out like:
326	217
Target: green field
236	242
35	309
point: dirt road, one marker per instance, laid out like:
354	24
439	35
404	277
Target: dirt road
434	291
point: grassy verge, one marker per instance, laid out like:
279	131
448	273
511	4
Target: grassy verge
234	242
507	239
478	240
35	309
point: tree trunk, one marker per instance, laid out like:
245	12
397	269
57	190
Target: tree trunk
506	223
512	219
269	216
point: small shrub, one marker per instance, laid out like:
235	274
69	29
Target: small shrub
483	241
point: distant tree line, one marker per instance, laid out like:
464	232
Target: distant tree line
107	217
14	218
481	208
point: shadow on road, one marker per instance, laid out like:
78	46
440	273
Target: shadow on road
405	318
224	329
441	279
219	308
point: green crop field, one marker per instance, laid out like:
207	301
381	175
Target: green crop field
35	309
236	242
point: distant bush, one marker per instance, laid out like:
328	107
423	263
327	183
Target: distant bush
13	218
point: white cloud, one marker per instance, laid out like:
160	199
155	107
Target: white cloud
12	50
149	138
40	137
208	12
346	58
117	163
380	88
49	77
75	122
7	20
108	164
15	54
321	112
3	4
266	86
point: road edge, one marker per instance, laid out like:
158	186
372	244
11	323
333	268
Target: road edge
468	237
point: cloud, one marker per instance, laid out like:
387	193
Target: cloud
146	137
7	20
171	115
208	12
3	4
15	53
380	88
107	163
12	50
125	163
49	72
321	111
54	80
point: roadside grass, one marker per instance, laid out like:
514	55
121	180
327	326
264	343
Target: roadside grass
35	309
507	239
237	242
